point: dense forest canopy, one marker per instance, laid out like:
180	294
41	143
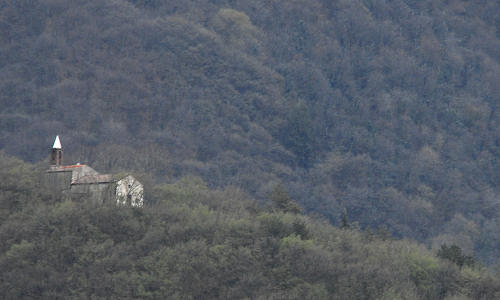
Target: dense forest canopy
192	242
386	108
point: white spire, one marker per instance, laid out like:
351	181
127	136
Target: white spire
57	143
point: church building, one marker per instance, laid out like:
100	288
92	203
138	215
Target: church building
80	182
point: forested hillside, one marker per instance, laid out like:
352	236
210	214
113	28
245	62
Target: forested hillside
191	242
386	108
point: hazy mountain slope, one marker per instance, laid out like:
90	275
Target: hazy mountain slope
387	108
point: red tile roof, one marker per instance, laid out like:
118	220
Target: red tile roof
71	166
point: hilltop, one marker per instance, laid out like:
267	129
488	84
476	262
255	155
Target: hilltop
192	242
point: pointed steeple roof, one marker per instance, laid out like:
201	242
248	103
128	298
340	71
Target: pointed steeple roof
57	143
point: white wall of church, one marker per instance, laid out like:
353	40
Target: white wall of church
129	191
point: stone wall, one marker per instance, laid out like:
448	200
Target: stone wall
96	193
58	183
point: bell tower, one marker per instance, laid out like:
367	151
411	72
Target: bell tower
56	157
